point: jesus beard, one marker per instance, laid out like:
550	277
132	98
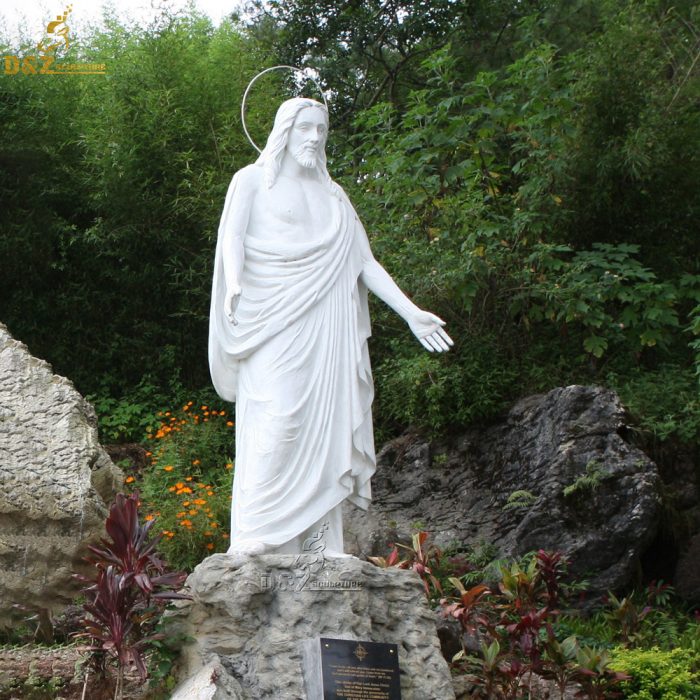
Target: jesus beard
305	158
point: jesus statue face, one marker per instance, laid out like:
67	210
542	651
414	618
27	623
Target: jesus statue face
307	137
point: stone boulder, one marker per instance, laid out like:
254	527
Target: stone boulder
250	621
56	483
583	488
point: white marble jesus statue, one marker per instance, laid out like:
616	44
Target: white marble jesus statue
288	340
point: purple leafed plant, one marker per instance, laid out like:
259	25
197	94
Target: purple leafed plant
126	596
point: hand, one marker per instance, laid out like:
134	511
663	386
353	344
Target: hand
233	296
428	329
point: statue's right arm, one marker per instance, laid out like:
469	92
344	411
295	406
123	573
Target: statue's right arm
239	202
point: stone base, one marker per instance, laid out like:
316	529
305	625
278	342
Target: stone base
250	620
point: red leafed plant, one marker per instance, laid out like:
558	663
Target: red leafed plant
128	592
421	557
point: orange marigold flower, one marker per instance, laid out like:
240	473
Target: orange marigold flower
214	525
181	514
193	511
210	493
229	465
179	485
129	479
186	523
199	501
222	413
210	546
149	454
208	534
185	503
171	489
225	536
186	407
204	408
187	489
229	423
189	478
150	517
196	462
168	468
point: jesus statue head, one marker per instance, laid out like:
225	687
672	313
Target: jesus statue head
300	130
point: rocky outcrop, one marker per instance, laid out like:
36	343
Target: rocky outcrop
56	482
249	621
556	473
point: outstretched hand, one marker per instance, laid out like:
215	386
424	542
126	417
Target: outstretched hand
428	328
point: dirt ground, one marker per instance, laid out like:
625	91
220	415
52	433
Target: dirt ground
34	672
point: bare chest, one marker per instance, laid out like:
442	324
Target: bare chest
291	209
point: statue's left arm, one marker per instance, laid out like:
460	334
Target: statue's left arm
427	327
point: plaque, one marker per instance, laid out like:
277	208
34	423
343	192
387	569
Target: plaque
353	670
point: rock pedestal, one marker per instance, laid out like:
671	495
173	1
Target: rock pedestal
250	621
55	483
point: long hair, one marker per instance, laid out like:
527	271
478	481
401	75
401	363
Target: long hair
273	153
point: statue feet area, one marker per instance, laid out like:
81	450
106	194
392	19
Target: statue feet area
252	616
247	548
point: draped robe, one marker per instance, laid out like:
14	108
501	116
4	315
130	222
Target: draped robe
297	366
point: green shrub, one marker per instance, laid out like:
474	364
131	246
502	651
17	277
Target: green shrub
188	484
468	384
664	400
657	674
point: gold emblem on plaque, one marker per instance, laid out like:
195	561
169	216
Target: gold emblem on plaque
360	652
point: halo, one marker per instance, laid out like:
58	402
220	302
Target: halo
261	73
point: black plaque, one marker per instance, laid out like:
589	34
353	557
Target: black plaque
355	670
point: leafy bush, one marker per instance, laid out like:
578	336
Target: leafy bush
472	199
467	385
516	623
513	624
640	619
663	400
657	674
188	484
126	596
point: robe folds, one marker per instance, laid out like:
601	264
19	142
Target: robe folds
297	366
